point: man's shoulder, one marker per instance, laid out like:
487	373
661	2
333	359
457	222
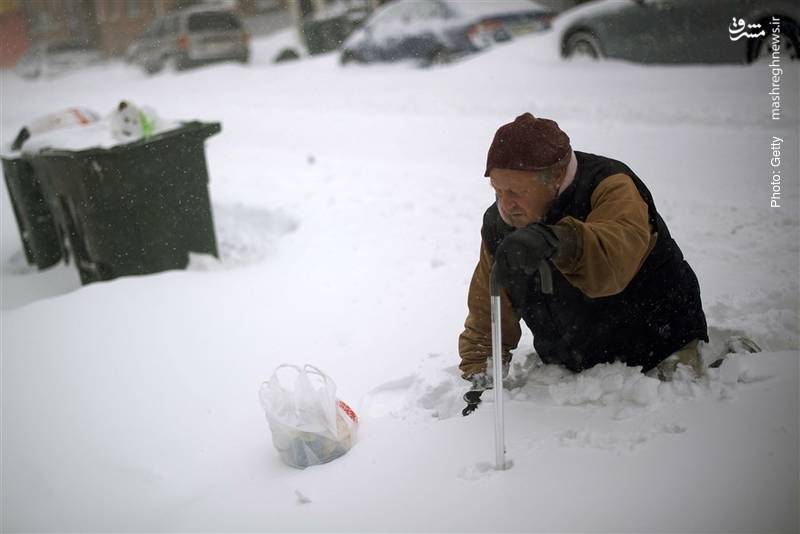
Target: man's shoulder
591	161
594	169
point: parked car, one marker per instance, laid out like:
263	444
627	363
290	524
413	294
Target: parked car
46	59
189	38
324	27
676	31
440	30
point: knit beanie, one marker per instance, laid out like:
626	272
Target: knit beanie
528	144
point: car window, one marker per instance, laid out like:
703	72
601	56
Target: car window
213	21
169	26
154	29
35	51
174	25
425	11
393	13
63	48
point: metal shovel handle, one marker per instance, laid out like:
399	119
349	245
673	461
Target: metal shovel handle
497	358
546	280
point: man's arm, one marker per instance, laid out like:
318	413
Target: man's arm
475	342
602	255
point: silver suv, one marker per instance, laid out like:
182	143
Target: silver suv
48	59
189	38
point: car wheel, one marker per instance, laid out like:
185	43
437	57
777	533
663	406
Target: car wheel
153	67
789	33
440	56
582	45
287	54
347	57
177	64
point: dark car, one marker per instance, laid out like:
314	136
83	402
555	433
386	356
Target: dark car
440	30
189	38
679	31
47	59
324	26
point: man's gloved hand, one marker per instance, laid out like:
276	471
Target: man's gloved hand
523	251
480	383
485	380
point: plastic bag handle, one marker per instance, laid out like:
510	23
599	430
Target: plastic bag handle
316	370
301	370
281	366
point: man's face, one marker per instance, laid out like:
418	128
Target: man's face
522	197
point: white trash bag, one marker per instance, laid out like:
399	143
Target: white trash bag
309	424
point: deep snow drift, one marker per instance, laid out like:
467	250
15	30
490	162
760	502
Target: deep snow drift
348	204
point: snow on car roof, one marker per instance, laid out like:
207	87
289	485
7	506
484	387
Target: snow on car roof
588	10
485	8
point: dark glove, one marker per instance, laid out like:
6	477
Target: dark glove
473	399
480	383
523	250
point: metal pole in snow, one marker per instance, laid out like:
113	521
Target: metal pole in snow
497	357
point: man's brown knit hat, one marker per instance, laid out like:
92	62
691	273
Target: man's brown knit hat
528	144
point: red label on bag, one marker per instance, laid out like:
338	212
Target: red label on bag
348	410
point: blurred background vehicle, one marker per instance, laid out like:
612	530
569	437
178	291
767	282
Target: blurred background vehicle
47	59
437	31
675	31
323	25
326	30
189	38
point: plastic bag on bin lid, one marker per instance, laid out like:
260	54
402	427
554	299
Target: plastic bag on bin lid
53	121
309	424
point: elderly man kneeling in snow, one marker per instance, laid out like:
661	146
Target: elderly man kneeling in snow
621	288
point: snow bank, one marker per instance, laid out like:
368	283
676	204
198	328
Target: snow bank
607	384
245	235
435	389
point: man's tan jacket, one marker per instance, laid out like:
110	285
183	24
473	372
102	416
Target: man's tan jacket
599	256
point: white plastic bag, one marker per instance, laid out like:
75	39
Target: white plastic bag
309	424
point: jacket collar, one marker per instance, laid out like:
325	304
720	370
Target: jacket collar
565	193
572	169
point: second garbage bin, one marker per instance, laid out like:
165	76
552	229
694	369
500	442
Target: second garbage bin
40	239
132	209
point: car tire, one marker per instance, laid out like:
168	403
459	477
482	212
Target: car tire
347	57
178	64
440	55
153	67
790	42
287	54
582	44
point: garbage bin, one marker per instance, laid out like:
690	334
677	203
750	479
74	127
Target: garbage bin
40	238
132	209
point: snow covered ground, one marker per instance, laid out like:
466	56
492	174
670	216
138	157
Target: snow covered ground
348	203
